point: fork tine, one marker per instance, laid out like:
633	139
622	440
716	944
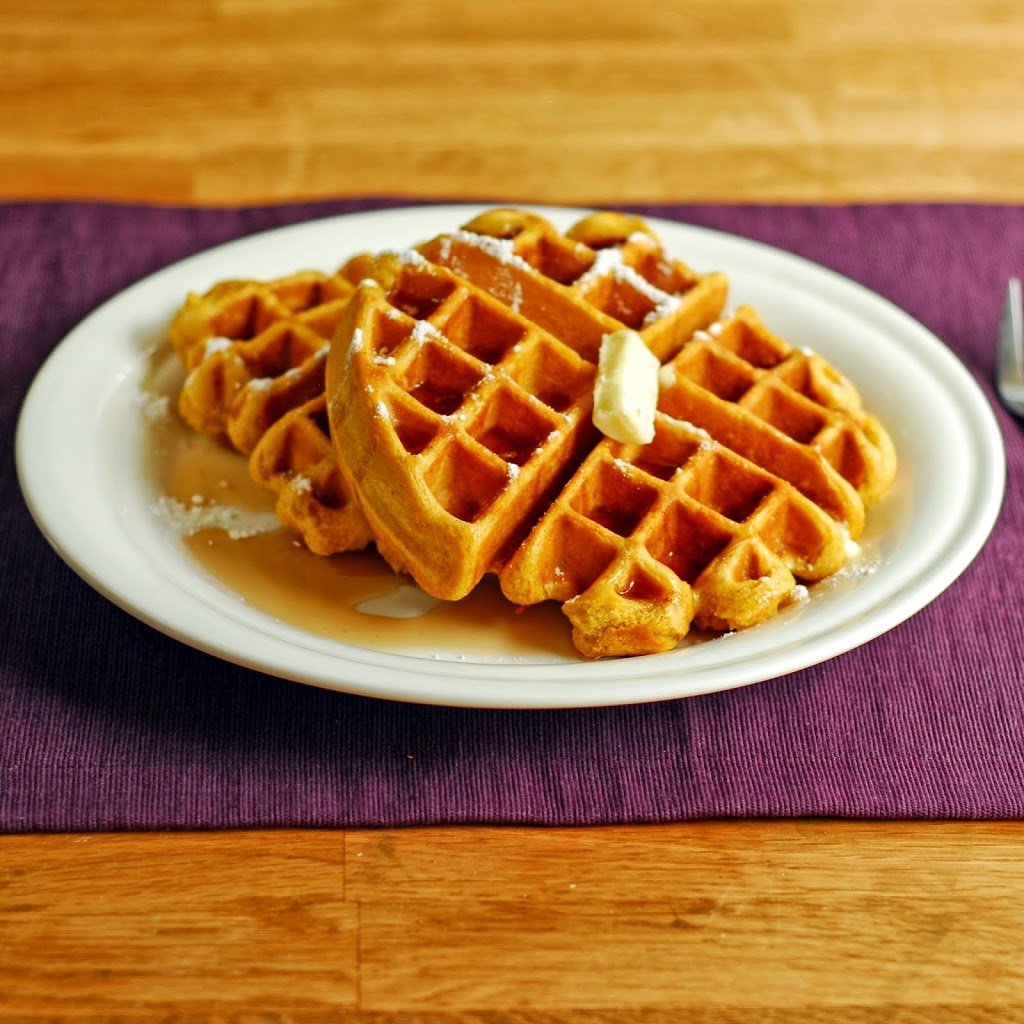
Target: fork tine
1011	348
1014	308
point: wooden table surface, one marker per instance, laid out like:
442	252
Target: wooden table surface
228	101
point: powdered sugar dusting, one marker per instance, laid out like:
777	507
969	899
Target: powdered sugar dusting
424	331
155	408
187	519
218	344
355	344
510	291
501	249
406	257
850	547
850	572
693	430
609	263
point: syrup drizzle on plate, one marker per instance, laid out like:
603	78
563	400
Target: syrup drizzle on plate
273	572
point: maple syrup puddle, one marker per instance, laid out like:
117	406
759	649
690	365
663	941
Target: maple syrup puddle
192	474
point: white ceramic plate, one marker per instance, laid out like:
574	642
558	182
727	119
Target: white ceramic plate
81	425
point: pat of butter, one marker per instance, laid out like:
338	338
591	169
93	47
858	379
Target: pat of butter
626	389
404	602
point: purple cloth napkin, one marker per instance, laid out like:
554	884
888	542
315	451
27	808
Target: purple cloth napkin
105	723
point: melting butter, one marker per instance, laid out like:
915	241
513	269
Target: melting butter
404	602
626	388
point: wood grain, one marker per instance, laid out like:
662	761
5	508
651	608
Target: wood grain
734	921
225	101
229	101
112	922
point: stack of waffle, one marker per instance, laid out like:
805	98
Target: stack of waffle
438	401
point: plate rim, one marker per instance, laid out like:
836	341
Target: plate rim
977	420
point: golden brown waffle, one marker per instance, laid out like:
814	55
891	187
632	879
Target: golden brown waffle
295	459
646	538
762	463
454	418
606	272
254	349
737	376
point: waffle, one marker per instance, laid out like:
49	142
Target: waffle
761	466
606	272
255	350
737	378
645	539
295	459
454	418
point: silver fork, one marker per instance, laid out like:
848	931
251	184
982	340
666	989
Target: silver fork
1010	379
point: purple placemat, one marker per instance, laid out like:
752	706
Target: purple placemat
106	724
